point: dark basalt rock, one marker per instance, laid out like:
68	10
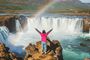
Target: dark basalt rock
10	22
83	45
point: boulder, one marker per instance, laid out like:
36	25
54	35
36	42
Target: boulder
54	51
83	45
87	59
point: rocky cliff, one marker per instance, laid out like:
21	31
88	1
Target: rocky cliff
10	21
54	51
86	25
34	52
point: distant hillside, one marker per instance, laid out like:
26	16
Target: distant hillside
22	4
69	6
34	5
88	4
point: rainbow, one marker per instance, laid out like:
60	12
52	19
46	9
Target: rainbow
41	11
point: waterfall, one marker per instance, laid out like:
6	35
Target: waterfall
18	26
4	32
59	24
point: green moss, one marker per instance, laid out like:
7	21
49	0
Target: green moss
27	7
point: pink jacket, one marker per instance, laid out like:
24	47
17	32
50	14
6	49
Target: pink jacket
44	37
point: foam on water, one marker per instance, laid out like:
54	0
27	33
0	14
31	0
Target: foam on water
70	55
66	30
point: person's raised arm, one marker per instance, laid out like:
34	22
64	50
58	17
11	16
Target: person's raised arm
37	30
49	31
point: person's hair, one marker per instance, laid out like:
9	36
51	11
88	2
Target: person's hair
43	31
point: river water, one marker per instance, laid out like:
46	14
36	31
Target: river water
66	29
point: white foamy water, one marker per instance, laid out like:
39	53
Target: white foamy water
66	30
61	26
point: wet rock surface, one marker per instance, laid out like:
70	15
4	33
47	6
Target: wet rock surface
5	54
10	22
87	59
86	25
54	51
34	52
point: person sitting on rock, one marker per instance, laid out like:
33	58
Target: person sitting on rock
44	35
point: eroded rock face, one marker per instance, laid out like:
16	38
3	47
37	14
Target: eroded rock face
10	22
86	25
54	51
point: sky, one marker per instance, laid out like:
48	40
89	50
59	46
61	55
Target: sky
85	1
